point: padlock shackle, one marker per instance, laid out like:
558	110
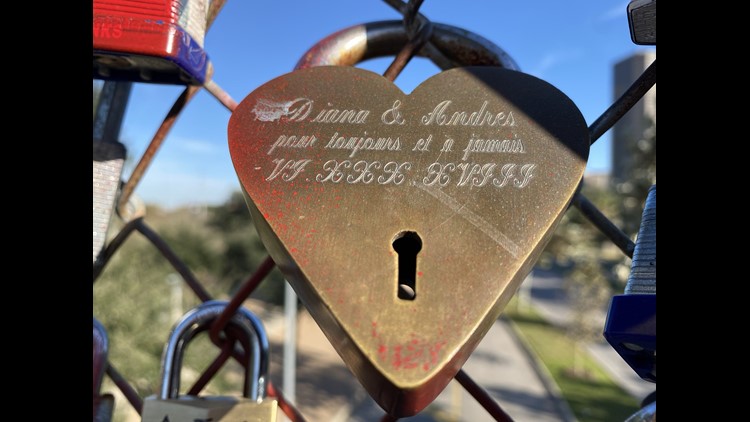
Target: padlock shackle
199	319
101	353
448	47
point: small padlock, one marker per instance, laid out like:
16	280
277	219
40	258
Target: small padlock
168	405
103	404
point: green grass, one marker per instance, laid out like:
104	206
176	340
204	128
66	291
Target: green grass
592	398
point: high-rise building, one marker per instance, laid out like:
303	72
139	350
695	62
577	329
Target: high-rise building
630	129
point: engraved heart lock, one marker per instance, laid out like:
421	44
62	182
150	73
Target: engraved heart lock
405	222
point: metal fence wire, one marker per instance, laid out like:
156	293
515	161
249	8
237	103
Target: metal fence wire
418	28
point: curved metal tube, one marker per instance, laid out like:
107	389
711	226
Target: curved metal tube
101	351
646	414
448	47
199	319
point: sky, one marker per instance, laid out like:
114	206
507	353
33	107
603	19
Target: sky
573	45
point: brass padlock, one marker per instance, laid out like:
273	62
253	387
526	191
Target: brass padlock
405	222
168	405
103	404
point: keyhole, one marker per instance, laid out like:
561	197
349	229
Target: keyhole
407	245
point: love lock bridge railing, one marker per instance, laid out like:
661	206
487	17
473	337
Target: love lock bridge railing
440	182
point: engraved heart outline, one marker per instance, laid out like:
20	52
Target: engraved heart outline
286	204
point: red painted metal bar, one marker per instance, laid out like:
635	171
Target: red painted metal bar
418	36
226	352
213	12
153	147
224	98
289	410
129	392
247	288
480	395
408	52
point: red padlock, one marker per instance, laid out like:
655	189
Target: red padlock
158	41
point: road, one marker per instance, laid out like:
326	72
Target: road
326	390
547	296
500	365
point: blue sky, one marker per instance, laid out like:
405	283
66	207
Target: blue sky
572	44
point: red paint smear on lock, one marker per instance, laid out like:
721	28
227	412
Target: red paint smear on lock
417	353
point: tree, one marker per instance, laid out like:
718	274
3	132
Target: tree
133	297
243	250
634	190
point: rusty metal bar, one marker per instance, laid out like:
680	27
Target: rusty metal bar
418	36
153	147
358	43
173	259
226	352
479	393
247	288
106	254
604	224
403	8
289	410
412	8
222	96
168	122
428	48
213	12
129	392
628	99
409	51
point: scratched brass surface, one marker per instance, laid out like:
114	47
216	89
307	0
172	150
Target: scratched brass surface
479	162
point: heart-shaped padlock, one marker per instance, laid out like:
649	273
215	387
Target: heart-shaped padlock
406	222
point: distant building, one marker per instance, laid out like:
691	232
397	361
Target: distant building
631	127
598	180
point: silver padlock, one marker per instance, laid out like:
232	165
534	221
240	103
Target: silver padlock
168	405
103	404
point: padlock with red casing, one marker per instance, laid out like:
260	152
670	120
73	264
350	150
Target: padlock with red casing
158	41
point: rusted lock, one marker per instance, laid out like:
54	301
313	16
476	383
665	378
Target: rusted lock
406	222
103	404
253	407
